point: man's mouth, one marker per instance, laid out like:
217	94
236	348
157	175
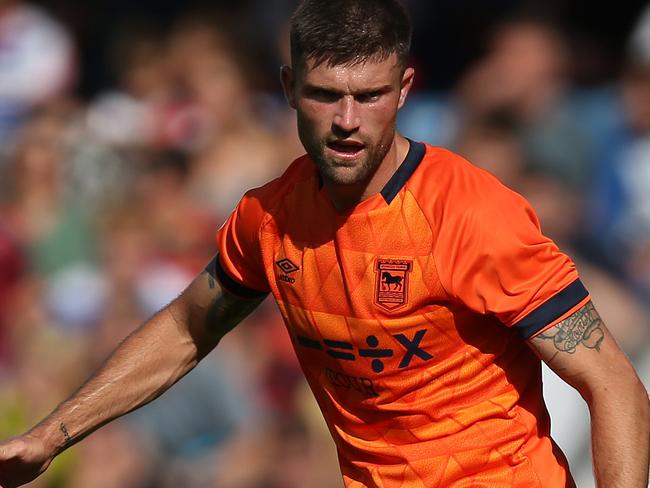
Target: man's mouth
346	149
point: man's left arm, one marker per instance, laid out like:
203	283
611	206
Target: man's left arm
583	353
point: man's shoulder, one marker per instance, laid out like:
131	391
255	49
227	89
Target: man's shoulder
444	166
448	175
447	183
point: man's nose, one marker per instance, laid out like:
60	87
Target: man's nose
347	118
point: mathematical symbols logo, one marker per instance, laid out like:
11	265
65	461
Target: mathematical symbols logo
391	283
287	266
410	348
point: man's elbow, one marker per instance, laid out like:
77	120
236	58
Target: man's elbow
622	386
645	405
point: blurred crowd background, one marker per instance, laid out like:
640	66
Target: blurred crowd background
129	130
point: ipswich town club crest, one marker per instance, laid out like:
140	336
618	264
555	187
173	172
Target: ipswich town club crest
391	283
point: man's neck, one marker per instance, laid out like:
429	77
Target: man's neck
346	197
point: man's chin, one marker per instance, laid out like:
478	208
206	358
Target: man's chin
343	171
344	175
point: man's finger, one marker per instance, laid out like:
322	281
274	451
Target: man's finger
5	453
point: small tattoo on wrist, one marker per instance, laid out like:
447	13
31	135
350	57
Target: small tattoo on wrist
66	436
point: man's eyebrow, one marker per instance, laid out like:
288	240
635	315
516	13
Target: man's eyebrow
311	87
374	89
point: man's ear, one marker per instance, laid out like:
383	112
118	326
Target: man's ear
407	83
287	76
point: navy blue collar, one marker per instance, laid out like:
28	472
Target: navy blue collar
401	176
404	172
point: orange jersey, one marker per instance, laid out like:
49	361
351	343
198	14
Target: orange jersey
408	316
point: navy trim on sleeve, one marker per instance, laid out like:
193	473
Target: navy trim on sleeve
216	270
552	309
406	169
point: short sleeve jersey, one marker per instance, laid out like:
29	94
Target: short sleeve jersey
409	316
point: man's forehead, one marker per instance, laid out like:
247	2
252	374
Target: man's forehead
358	72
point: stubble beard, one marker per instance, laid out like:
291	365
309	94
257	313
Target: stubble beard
343	172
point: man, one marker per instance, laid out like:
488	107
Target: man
412	285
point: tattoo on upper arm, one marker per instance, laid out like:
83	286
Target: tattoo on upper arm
211	271
583	327
66	435
225	310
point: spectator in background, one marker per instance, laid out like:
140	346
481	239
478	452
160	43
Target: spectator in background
620	210
39	206
137	110
524	77
180	225
523	80
215	74
37	62
11	268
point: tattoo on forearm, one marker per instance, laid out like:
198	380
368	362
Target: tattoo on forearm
583	327
66	436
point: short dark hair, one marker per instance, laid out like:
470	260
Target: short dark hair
347	32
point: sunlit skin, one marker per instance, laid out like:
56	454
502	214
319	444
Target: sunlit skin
346	122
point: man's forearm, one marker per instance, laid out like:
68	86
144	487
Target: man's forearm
621	436
145	364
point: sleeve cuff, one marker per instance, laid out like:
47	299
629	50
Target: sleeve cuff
230	284
552	309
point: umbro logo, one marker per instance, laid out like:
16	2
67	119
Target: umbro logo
287	267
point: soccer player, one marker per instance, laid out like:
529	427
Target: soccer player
419	294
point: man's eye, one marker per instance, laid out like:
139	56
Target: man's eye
369	97
323	96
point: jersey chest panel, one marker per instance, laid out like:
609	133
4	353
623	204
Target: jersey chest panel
362	300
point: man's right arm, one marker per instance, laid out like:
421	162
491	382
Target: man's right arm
142	367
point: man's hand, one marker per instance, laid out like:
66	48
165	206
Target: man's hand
21	460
